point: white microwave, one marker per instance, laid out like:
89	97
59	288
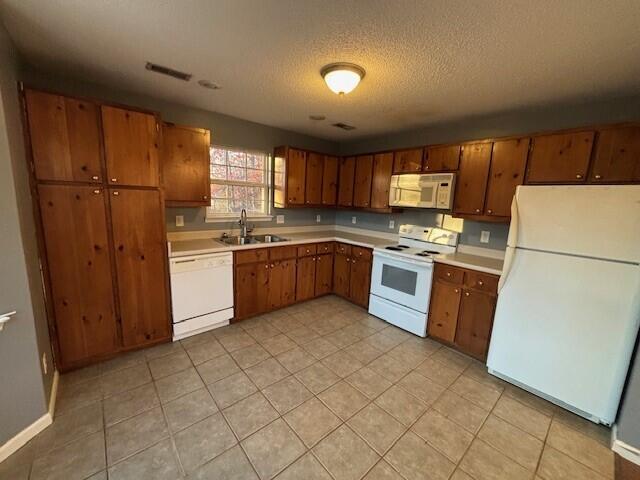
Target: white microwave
431	190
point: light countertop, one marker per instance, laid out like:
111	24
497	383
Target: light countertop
481	259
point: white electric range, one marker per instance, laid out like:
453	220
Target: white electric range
402	274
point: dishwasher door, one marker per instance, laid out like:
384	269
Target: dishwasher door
201	292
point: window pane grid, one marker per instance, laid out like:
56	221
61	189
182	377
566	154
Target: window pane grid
239	179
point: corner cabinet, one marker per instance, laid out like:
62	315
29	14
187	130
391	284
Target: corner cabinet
462	307
185	166
101	227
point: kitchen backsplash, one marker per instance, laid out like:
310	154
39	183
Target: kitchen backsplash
194	219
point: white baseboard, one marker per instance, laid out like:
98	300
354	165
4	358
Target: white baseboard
626	451
14	444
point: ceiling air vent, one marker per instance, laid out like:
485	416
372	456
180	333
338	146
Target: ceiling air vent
343	126
168	71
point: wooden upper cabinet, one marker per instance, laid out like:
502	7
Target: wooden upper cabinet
407	161
472	179
185	165
296	176
382	168
442	158
560	158
508	163
362	183
65	137
131	142
313	181
346	180
617	155
74	225
330	181
141	264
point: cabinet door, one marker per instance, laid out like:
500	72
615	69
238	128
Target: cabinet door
442	159
306	278
345	184
78	257
471	184
617	156
382	166
251	284
65	137
508	162
141	264
313	181
131	147
362	183
288	281
324	274
330	181
296	175
443	311
185	165
474	323
560	158
407	161
341	275
360	281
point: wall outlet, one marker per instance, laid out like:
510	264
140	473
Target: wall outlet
484	236
45	366
279	218
354	220
179	220
392	224
318	219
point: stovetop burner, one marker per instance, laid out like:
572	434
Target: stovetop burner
423	254
395	249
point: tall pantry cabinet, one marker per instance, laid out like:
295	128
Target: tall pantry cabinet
96	188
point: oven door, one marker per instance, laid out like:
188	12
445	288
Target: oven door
403	281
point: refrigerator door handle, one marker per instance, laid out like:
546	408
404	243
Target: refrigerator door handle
508	261
512	242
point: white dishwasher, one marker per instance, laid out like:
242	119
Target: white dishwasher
201	293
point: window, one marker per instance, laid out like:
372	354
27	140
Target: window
239	179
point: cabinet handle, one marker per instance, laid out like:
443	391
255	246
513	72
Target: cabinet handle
466	294
273	265
114	180
456	291
598	177
204	197
116	193
266	265
489	211
578	176
97	192
480	282
313	258
477	210
95	177
426	167
448	274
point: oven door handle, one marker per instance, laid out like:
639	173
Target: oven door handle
395	258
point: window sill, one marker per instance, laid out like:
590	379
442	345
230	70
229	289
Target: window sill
235	218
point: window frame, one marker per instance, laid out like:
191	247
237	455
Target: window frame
211	216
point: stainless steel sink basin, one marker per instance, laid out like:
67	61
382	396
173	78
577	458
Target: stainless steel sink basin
251	239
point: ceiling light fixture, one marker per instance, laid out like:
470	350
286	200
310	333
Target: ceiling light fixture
209	84
342	78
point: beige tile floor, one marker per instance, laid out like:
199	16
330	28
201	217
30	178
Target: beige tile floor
320	390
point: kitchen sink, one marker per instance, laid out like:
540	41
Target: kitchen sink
251	239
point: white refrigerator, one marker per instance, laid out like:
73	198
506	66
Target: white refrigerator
568	306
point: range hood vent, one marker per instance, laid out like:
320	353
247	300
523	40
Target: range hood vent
168	71
343	126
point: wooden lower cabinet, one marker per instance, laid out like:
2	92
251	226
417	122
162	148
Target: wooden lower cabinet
306	278
462	307
352	273
251	287
324	274
141	265
281	288
341	274
360	282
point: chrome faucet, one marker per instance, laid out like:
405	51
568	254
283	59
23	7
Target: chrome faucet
244	231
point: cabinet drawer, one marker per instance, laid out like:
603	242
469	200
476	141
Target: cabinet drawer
361	253
343	248
251	256
326	247
280	253
483	282
306	250
448	274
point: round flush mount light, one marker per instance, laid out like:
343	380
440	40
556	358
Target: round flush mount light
342	78
209	84
317	118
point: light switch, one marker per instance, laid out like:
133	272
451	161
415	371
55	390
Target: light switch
318	219
484	236
354	220
392	224
179	220
279	218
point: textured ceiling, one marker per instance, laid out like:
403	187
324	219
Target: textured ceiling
426	61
